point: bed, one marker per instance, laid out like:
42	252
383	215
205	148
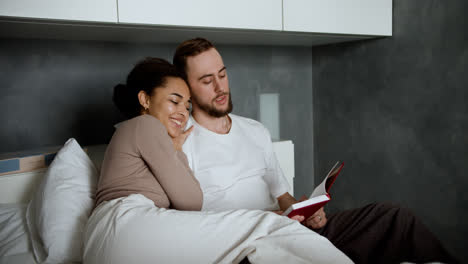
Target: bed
19	242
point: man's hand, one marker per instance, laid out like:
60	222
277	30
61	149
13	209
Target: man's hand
299	218
179	140
317	220
287	200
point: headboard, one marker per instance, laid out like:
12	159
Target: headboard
18	187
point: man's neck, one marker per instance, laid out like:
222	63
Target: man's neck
219	125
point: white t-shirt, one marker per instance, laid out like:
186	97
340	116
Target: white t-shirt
238	170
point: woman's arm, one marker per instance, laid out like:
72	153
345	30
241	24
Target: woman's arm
168	165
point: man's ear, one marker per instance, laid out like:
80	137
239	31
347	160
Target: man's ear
143	98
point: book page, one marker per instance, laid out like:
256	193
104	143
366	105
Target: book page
324	186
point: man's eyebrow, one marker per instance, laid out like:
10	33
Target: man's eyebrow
204	76
210	74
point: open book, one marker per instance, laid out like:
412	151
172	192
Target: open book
319	196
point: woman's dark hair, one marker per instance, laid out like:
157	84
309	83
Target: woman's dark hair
146	76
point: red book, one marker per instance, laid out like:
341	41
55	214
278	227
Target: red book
319	196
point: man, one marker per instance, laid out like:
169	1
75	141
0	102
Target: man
233	160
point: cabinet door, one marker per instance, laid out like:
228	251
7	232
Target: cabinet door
356	17
238	14
78	10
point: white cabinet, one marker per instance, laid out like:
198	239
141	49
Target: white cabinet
74	10
253	22
238	14
284	151
353	17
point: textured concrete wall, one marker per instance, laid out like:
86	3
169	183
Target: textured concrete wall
395	110
52	90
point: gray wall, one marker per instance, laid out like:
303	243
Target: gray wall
52	90
396	111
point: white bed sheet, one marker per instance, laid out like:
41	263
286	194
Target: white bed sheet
133	230
15	244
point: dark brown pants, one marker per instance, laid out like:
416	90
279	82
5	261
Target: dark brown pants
383	233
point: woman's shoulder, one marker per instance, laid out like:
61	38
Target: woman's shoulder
142	132
145	123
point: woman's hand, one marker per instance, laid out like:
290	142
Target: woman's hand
180	139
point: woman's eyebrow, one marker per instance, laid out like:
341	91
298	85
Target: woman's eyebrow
176	94
180	96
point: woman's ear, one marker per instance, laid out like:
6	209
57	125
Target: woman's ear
143	98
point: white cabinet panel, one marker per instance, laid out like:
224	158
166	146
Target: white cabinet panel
75	10
238	14
357	17
284	151
264	22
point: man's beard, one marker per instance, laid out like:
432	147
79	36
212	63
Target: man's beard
211	110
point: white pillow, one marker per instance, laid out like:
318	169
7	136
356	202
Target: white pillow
58	211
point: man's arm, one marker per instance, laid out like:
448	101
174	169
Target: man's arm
286	200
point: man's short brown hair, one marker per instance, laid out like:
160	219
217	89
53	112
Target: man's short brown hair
188	48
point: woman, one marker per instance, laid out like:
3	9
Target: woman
145	176
144	155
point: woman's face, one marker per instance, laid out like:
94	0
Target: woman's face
170	104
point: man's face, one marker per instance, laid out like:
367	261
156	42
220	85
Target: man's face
208	83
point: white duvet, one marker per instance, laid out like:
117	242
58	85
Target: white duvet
14	238
133	230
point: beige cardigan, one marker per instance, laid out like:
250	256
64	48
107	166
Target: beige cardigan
141	159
